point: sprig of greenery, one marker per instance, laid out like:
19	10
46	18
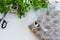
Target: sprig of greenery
38	4
23	5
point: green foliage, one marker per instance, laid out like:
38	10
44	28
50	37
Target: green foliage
2	7
8	2
38	4
23	6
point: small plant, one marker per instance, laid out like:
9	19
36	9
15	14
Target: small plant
23	5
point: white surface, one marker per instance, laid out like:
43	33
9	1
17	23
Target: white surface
17	29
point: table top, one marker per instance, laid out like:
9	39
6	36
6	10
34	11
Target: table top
17	29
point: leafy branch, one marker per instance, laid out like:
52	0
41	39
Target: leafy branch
23	5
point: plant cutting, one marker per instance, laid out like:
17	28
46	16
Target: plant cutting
22	6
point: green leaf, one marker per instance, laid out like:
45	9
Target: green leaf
20	11
39	3
44	5
8	1
20	2
2	7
